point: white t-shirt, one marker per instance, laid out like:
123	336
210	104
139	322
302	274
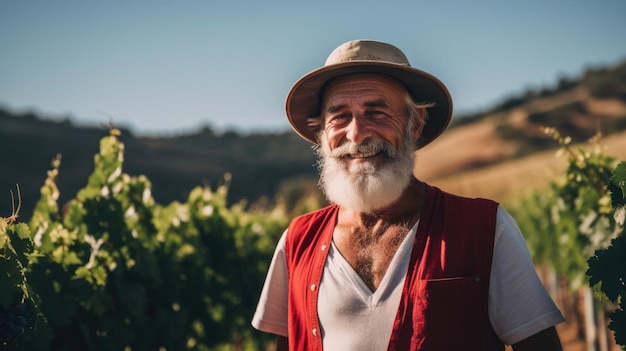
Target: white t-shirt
353	318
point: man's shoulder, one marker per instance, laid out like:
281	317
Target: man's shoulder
451	197
308	228
315	213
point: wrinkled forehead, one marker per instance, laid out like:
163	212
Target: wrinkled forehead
359	84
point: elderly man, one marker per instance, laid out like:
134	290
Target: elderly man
394	263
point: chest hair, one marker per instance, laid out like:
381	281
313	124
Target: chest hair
369	251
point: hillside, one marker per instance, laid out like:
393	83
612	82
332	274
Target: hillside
501	180
470	158
505	149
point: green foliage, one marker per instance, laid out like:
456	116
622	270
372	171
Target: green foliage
114	270
608	265
577	224
16	250
567	222
15	245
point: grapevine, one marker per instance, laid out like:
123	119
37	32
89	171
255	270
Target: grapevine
565	223
19	317
576	225
607	267
117	270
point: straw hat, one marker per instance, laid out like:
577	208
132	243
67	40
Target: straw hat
367	56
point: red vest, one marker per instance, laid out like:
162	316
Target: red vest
444	299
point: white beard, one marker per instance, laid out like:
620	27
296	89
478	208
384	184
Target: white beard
365	188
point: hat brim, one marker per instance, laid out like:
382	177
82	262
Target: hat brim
303	100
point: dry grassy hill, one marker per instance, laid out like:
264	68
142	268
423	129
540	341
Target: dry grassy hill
503	179
478	159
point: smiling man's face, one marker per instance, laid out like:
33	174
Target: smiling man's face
366	143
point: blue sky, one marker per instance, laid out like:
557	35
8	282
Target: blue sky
166	67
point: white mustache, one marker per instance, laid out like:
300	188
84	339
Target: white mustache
370	147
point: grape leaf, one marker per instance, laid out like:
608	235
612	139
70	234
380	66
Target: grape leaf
618	325
21	242
608	266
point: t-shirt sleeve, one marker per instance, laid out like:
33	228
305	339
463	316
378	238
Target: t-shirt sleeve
519	305
271	312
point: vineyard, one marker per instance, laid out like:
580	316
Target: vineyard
575	231
114	270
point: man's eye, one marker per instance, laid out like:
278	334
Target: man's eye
339	117
376	114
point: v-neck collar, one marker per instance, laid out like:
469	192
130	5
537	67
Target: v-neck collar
396	271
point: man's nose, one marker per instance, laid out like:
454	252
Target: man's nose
359	129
